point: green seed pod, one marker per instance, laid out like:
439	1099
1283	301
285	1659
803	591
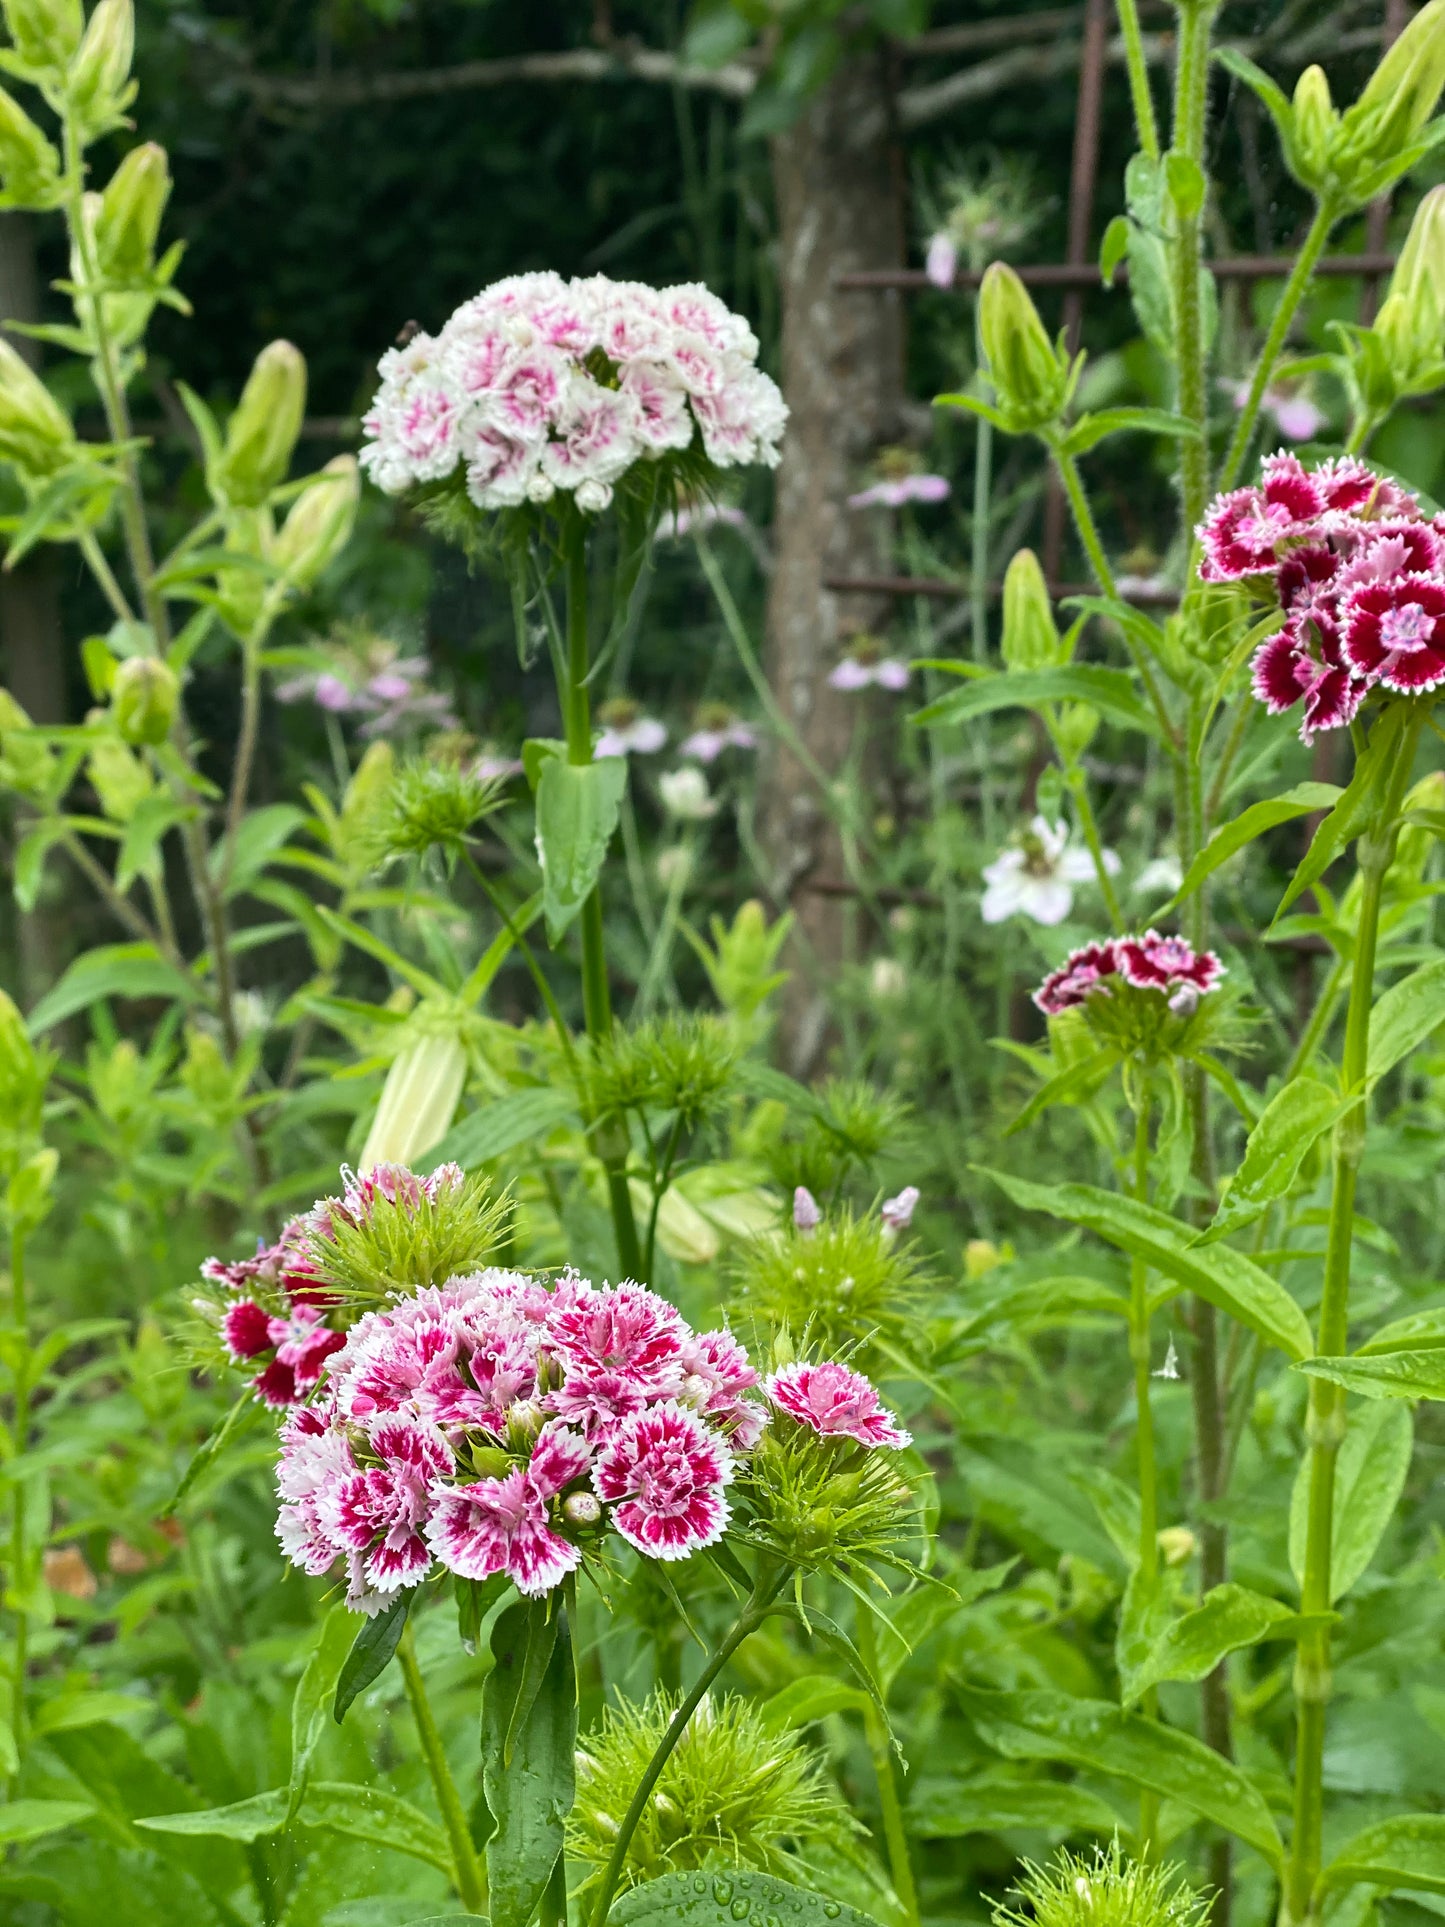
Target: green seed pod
1030	634
35	431
46	32
319	524
1030	375
1315	125
419	1098
1411	322
1398	100
100	84
130	214
144	698
262	432
29	164
119	777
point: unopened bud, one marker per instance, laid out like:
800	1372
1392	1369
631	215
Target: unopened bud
100	86
980	1256
525	1419
806	1215
897	1213
1030	634
1411	322
1176	1544
130	214
418	1100
1029	373
144	698
46	32
263	430
1399	97
29	164
1314	124
582	1509
319	525
35	432
120	779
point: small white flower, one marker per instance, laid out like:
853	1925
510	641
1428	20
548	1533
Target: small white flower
1159	878
1170	1367
674	866
1036	877
638	735
887	979
686	796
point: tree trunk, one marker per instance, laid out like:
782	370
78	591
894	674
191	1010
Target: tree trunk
836	178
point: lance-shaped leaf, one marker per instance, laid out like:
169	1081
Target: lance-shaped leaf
331	1806
371	1653
1408	1851
1110	691
1355	808
1107	1739
1230	838
1369	1478
521	1117
1089	430
1290	1124
529	1733
1403	1374
1405	1016
578	805
312	1699
727	1898
1227	1619
952	1809
1417	1331
1225	1278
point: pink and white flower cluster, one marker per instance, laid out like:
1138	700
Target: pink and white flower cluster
1359	572
539	385
1147	962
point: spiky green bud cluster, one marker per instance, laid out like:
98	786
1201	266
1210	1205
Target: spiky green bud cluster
843	1282
377	1246
431	805
1101	1889
678	1063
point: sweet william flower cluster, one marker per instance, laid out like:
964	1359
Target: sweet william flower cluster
1149	962
539	386
1359	573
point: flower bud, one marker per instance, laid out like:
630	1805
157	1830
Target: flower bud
263	430
582	1509
1399	97
1314	124
100	89
806	1215
1411	321
130	214
1030	375
1030	634
46	32
319	525
35	432
120	779
980	1257
144	698
1176	1545
418	1100
29	164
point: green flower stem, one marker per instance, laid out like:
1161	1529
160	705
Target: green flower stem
1326	214
1079	791
880	1746
529	958
978	560
20	1319
1325	1423
1143	100
1140	1354
611	1136
766	1587
468	1873
100	568
1191	91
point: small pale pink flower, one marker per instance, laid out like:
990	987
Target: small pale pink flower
379	1512
941	261
1152	962
835	1402
1081	972
806	1215
897	1213
664	1473
718	1374
505	1525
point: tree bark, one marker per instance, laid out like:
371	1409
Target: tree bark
836	175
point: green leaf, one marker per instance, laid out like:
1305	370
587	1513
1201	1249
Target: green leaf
522	1117
260	836
974	405
1408	1851
312	1698
210	1448
724	1898
1113	248
1227	1279
371	1652
1227	1619
1369	1478
72	1711
578	805
1071	1086
1251	823
1185	180
28	863
1354	810
1405	1016
22	1820
1089	430
529	1732
1418	1331
940	1809
810	1698
1290	1124
331	1806
149	823
1110	691
1107	1739
1143	1617
111	970
1398	1374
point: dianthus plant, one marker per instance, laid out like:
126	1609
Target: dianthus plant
505	1437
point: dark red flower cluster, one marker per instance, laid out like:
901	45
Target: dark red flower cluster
1147	962
1359	572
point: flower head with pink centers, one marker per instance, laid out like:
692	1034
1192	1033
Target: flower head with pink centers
378	1512
664	1474
507	1524
1148	962
1394	632
539	385
718	1374
860	672
898	491
1245	532
1082	971
829	1399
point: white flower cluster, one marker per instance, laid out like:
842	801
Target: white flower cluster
539	384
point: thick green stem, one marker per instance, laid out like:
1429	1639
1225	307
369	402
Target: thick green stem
611	1135
1140	1354
1326	214
765	1590
880	1746
1084	809
1143	100
1325	1422
20	1321
979	558
469	1875
1191	93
